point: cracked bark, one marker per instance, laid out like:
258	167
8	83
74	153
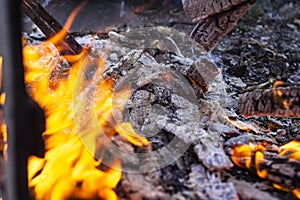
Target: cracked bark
215	18
279	102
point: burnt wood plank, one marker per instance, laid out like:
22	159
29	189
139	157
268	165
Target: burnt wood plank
198	10
280	102
215	18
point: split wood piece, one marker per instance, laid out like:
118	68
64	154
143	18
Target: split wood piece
277	102
49	25
282	171
279	170
215	18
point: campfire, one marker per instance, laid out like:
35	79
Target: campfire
145	113
69	168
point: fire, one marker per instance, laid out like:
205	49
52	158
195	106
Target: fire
240	125
278	96
78	111
242	156
291	150
251	156
1	74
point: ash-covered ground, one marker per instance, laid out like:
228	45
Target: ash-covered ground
262	48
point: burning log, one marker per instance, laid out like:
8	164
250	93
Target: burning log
214	18
58	34
49	25
278	101
72	128
280	165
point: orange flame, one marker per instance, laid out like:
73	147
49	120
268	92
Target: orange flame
291	150
77	111
296	192
244	156
1	74
3	133
278	96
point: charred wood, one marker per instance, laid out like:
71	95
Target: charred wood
280	102
215	19
282	170
199	10
49	25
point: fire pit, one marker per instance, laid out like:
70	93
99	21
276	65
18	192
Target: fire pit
134	109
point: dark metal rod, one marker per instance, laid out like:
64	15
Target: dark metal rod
16	109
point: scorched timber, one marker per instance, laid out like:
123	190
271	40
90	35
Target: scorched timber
49	25
214	18
280	102
282	171
279	169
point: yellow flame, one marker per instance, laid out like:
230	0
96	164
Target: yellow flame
242	156
1	73
77	111
258	157
291	150
3	133
2	98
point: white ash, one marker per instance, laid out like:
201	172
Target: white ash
204	184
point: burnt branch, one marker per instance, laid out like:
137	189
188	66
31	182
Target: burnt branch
49	25
215	19
280	102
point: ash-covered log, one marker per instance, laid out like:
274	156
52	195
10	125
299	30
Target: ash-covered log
281	170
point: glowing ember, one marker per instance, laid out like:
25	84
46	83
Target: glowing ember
240	125
279	97
77	110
